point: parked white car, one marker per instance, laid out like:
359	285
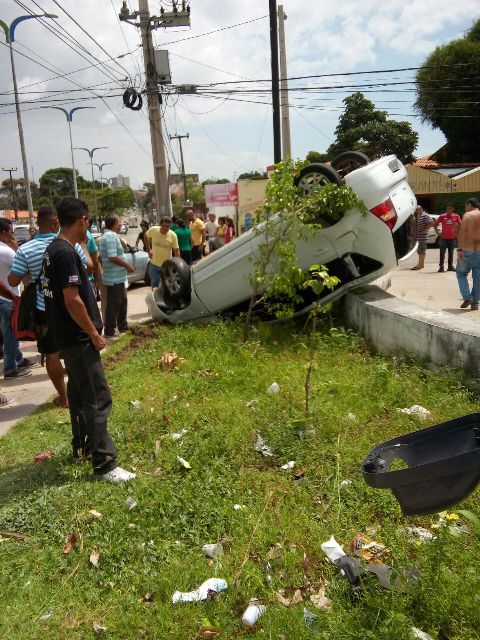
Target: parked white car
357	249
432	238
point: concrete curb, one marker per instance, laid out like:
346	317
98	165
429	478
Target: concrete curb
391	325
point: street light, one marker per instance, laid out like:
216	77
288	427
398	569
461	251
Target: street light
10	37
69	115
90	153
100	168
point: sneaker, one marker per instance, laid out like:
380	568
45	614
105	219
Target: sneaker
117	475
466	303
18	373
416	268
441	270
452	269
474	306
26	363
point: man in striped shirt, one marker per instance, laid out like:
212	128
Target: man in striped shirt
424	223
28	262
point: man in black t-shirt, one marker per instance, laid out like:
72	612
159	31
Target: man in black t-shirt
72	314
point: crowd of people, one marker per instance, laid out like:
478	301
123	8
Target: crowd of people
68	270
190	239
462	234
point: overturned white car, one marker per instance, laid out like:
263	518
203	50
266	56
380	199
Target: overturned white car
357	249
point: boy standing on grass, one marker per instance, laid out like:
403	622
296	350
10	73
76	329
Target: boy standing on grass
73	314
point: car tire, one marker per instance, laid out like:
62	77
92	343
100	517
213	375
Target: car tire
148	278
316	175
348	161
176	278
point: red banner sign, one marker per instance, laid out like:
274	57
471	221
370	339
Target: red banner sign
221	195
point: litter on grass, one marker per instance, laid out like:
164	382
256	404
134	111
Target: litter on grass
253	612
288	465
416	410
131	503
48	614
345	483
213	550
98	629
177	436
351	416
238	507
95	514
273	388
421	635
94	558
420	534
184	463
320	600
290	602
135	404
169	360
208	590
333	550
70	542
369	550
40	457
262	447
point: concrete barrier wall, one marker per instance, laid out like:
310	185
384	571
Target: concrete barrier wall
392	325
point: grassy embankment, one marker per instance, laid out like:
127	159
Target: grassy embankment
219	395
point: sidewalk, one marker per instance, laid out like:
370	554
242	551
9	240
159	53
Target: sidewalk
30	393
428	288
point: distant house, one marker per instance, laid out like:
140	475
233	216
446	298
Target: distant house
437	183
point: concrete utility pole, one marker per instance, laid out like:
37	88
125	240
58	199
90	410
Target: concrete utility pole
14	193
179	138
286	145
174	18
277	143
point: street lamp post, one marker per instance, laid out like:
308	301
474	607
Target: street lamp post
90	153
69	115
10	37
100	168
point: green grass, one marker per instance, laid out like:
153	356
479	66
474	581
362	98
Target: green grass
156	547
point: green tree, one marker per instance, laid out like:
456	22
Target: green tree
215	181
363	128
317	156
252	175
448	94
195	193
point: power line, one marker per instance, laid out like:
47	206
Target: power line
208	33
88	34
123	35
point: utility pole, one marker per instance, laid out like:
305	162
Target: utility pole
10	37
184	177
174	18
277	143
285	109
14	193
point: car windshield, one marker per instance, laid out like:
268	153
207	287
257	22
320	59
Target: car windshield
21	233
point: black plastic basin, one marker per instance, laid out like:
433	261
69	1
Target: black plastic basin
442	465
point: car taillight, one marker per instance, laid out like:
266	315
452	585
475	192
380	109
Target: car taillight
385	211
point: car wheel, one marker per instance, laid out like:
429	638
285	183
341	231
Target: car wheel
148	278
347	162
176	278
314	176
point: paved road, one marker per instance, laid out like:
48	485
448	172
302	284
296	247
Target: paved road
429	288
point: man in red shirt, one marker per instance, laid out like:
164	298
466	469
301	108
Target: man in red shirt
450	222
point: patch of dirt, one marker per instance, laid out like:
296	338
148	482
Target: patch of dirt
140	334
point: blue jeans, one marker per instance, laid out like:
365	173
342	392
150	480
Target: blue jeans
470	262
12	355
155	275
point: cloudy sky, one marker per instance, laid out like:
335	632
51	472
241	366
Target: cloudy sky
230	130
